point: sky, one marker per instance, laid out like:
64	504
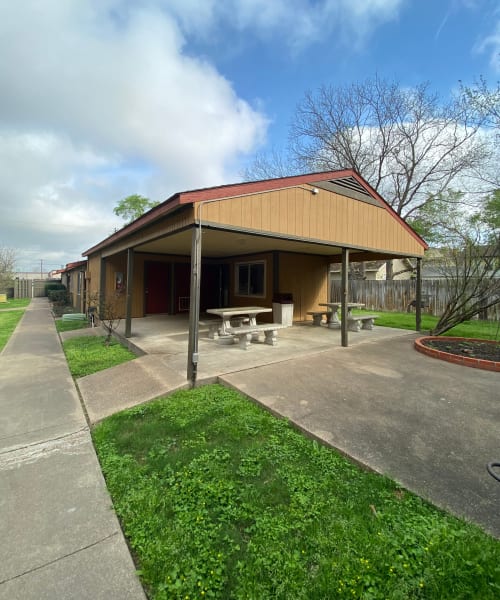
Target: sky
102	99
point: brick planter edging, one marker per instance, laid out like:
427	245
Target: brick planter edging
467	361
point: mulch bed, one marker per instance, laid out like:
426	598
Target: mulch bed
472	348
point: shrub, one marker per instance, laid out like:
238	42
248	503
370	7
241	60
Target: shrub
49	287
59	297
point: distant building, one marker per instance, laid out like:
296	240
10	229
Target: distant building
31	275
375	270
73	277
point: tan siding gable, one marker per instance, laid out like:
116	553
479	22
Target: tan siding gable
327	216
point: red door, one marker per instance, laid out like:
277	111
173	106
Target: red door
157	275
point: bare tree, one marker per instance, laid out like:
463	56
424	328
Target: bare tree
484	102
469	261
272	165
109	310
407	143
7	264
403	141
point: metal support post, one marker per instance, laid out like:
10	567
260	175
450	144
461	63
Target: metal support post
194	304
128	306
418	305
344	299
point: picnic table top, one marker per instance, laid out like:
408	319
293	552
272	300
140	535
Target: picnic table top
336	305
234	311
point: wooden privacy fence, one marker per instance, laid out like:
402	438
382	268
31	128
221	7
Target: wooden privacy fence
397	295
30	288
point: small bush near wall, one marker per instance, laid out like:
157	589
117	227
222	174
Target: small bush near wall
50	287
60	300
59	297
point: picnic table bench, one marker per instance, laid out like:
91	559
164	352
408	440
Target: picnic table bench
215	326
248	333
240	323
234	316
333	318
357	322
318	315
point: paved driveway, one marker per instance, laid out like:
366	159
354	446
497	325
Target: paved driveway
430	425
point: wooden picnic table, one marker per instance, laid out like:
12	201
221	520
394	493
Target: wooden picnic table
333	318
228	313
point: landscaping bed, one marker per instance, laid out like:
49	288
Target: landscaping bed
466	347
481	354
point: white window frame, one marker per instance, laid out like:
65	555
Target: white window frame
249	264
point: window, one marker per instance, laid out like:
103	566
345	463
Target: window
251	279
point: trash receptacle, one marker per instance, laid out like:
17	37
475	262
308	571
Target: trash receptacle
283	308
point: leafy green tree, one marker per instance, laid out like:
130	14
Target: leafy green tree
132	207
492	213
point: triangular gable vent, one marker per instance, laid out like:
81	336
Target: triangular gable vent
350	187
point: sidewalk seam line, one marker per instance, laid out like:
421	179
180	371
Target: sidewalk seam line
59	558
44	441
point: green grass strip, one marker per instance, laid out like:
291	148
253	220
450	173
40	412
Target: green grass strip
487	330
89	354
70	325
8	323
15	303
219	499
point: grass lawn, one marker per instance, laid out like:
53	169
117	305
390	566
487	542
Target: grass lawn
486	330
70	325
88	354
15	303
8	322
219	499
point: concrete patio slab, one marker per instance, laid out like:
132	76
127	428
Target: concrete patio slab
128	384
430	425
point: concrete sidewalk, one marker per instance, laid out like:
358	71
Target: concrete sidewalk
60	536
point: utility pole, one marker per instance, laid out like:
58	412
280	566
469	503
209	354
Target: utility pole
41	268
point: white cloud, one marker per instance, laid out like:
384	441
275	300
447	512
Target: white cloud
297	23
104	98
100	100
491	45
124	86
